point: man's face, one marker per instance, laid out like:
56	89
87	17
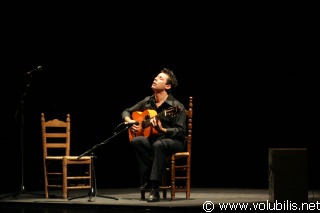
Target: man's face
160	82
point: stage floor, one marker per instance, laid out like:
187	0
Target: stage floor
128	200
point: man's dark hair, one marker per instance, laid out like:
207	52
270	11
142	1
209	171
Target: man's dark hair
172	80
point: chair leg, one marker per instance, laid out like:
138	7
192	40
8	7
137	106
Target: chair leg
188	189
65	182
173	195
46	192
173	179
188	180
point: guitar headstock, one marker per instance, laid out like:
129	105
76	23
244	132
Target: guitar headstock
172	111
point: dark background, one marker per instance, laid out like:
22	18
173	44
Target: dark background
252	73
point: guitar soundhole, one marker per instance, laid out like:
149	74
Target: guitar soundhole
144	123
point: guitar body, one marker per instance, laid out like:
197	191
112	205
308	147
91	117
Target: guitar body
143	117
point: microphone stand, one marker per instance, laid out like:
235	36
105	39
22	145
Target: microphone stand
93	190
21	108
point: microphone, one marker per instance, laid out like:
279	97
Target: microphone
131	123
39	68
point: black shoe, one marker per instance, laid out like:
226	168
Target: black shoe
154	196
145	186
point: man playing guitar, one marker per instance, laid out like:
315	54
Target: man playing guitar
160	132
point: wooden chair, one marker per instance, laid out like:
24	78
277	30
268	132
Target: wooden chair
60	169
177	177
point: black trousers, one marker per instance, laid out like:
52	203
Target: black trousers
151	155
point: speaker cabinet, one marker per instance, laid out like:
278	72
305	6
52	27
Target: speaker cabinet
288	179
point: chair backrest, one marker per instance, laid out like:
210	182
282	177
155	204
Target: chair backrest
189	113
55	136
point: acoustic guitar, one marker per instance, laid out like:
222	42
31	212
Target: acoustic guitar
144	118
